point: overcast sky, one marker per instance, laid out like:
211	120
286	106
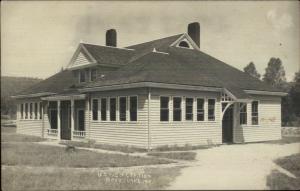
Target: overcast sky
38	38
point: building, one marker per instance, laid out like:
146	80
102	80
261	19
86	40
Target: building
162	92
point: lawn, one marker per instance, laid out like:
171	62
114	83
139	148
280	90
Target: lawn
175	155
32	166
279	181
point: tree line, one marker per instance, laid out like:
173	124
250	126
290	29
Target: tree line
275	76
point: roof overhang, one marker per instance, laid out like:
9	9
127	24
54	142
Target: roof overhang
257	92
32	95
65	97
151	85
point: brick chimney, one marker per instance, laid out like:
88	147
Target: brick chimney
194	32
111	37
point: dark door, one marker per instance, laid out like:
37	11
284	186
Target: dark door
80	117
65	116
227	125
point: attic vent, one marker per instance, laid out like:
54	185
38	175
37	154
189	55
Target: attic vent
184	44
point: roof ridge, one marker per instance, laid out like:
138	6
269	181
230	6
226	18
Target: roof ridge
122	48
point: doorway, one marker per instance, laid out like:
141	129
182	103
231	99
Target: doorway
227	125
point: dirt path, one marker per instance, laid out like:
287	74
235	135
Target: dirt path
233	167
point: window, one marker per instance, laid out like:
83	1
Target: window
26	110
21	110
95	109
41	110
82	76
184	44
113	105
177	109
164	108
30	110
255	113
189	108
93	74
122	108
211	109
35	110
200	109
133	108
103	109
243	113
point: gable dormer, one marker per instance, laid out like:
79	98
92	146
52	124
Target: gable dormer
81	59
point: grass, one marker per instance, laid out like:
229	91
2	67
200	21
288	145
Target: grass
186	147
175	155
32	154
280	181
96	179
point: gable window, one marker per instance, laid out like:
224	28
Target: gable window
30	110
177	109
189	108
254	113
41	110
81	76
35	110
95	109
113	104
26	110
243	113
103	109
122	108
200	109
184	44
133	108
164	108
21	110
211	109
93	74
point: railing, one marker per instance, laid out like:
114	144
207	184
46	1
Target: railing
52	132
80	134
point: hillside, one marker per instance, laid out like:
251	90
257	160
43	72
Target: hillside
10	86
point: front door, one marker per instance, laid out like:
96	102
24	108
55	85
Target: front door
227	125
65	116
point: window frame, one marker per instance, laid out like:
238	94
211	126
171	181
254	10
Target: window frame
119	107
97	111
79	75
214	119
192	105
167	109
129	107
204	112
245	113
116	107
93	69
256	112
106	108
173	109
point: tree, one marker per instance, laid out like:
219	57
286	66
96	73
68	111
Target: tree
251	70
295	94
275	74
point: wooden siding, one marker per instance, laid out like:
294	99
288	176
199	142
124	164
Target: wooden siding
81	60
29	127
121	132
184	132
269	126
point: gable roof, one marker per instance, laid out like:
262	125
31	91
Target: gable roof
168	65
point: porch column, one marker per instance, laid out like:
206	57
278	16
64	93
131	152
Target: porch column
58	119
72	118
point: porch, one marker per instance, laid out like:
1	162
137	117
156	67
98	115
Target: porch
66	117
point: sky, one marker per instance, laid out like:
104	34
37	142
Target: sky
38	38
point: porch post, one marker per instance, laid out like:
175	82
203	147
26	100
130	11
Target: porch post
58	119
72	118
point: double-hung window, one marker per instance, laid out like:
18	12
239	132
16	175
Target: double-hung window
133	108
112	106
93	74
177	109
254	113
82	76
95	109
189	109
211	109
200	109
103	109
122	108
243	113
164	108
